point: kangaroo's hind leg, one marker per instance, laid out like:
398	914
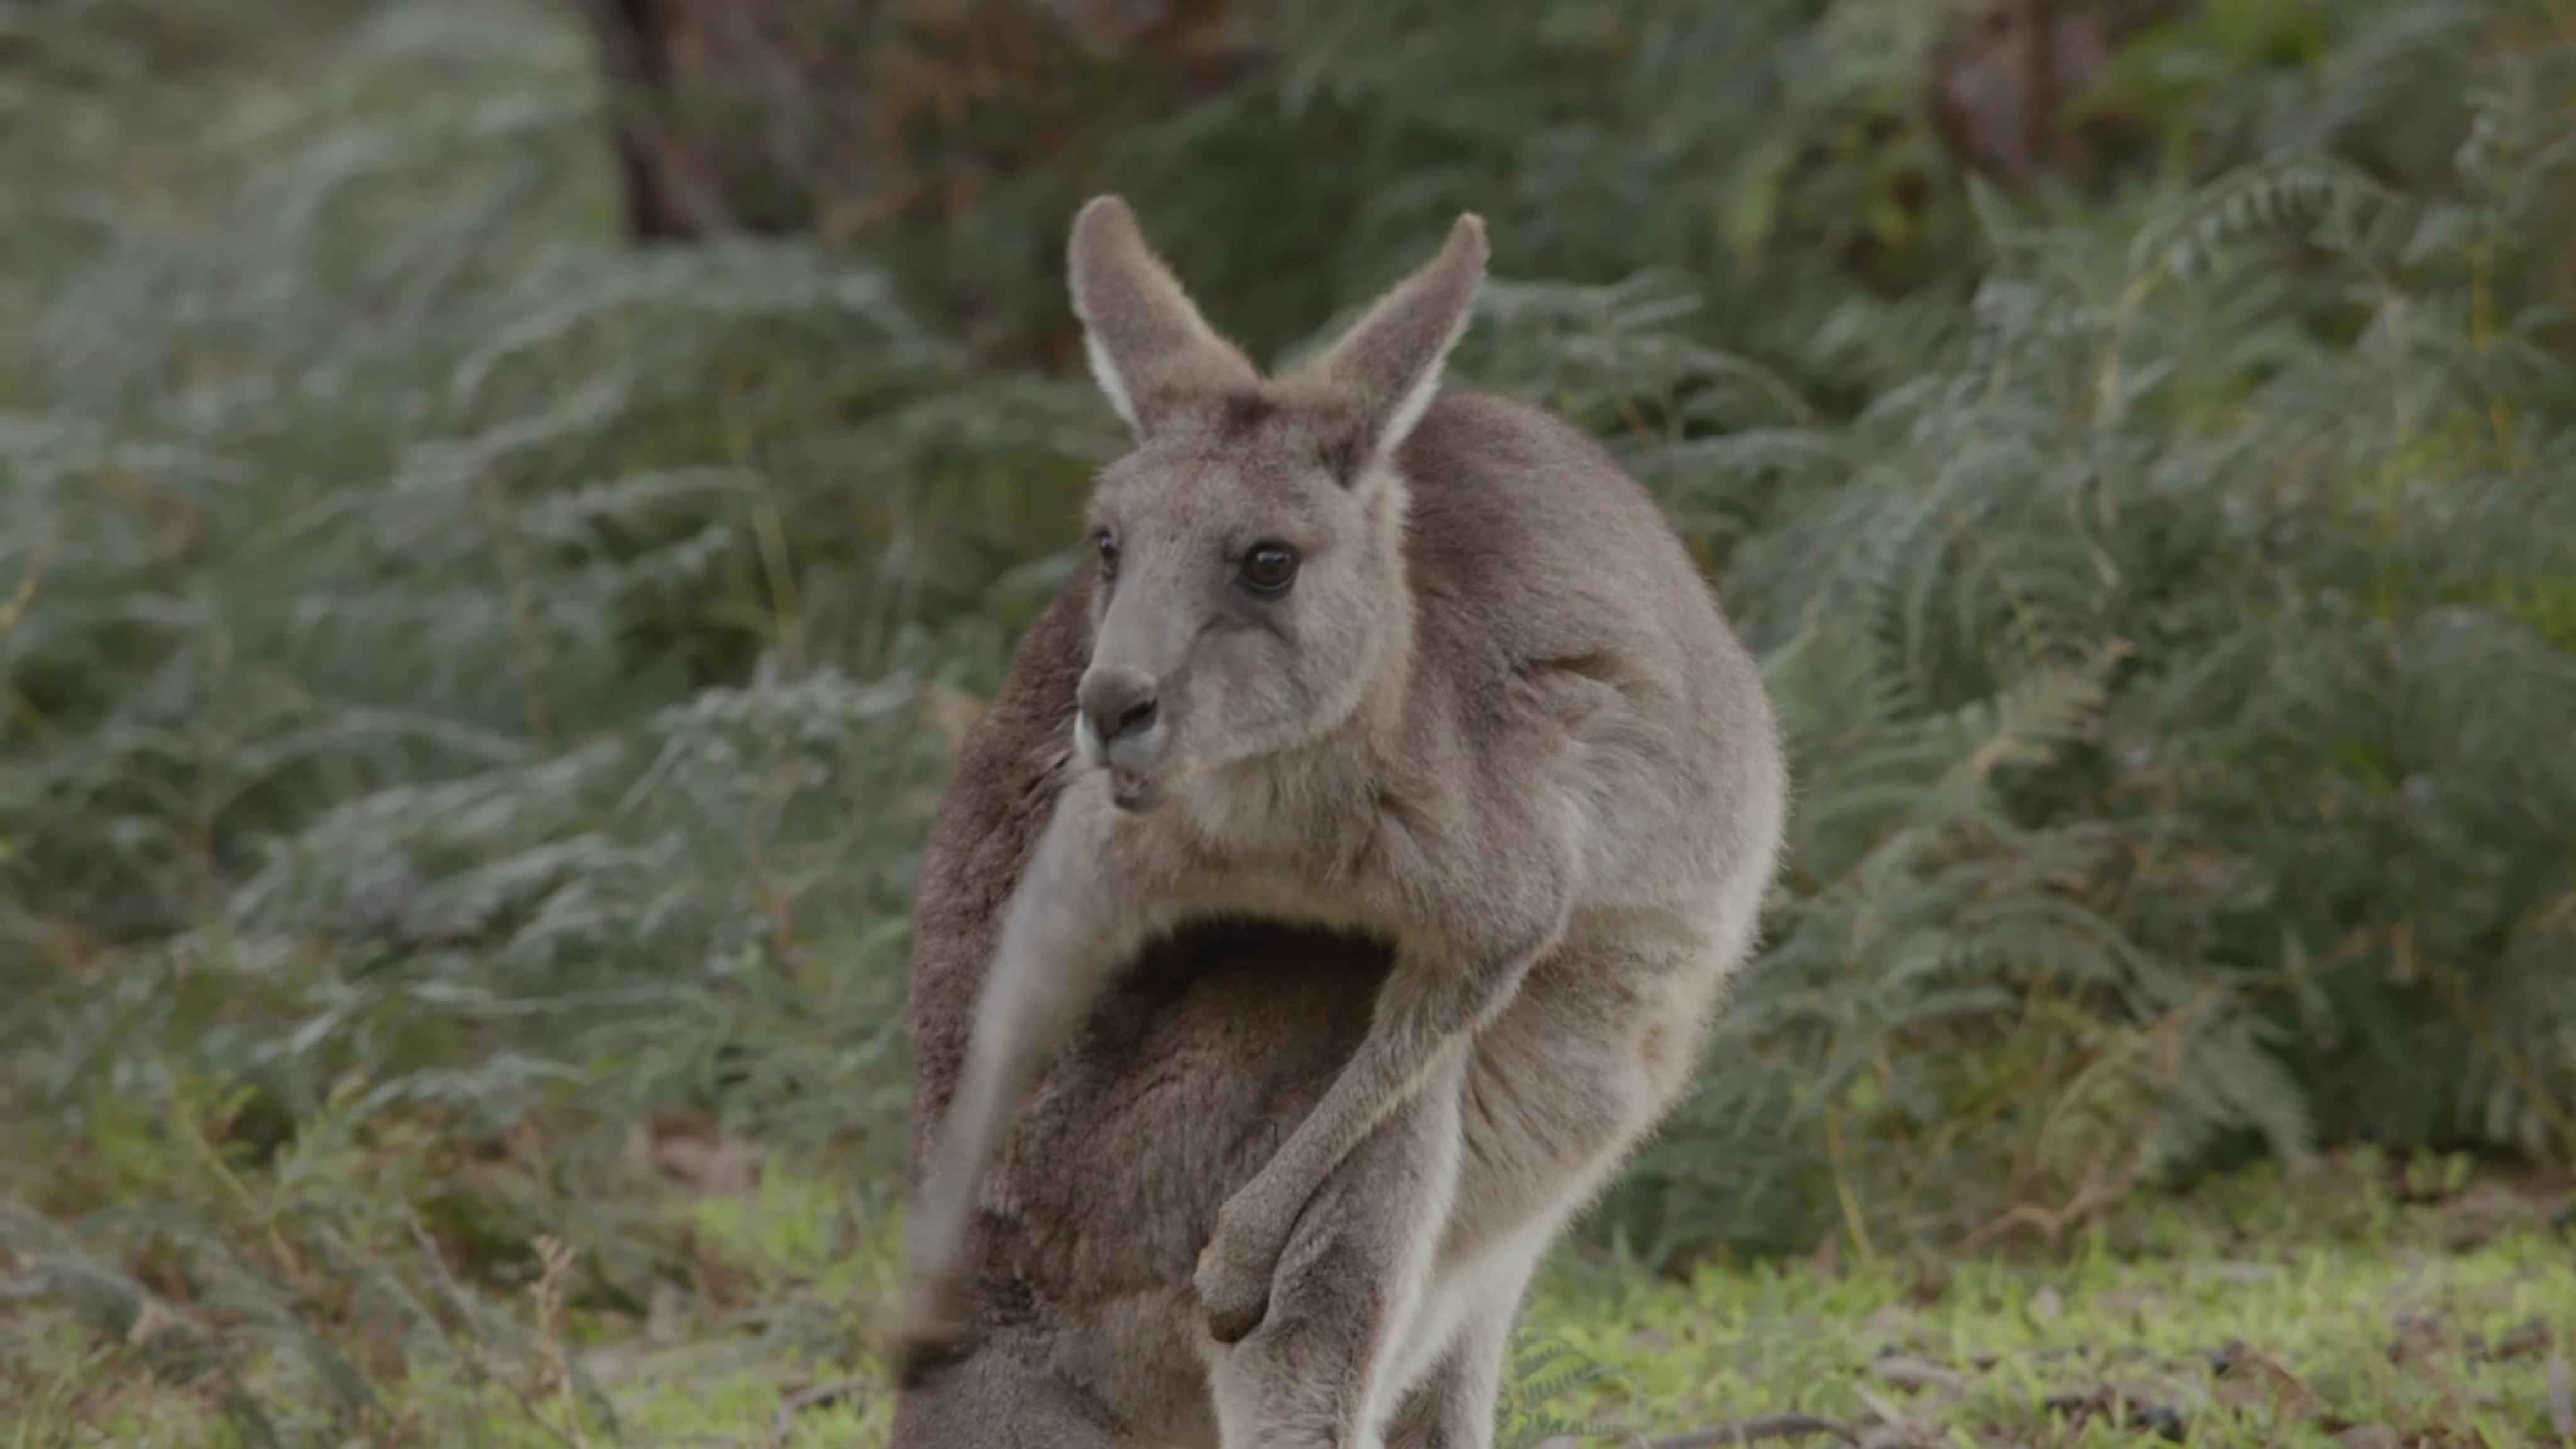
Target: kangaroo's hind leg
1317	1372
1460	1338
1449	1403
1596	1048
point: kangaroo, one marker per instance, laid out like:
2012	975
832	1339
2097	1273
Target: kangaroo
1427	670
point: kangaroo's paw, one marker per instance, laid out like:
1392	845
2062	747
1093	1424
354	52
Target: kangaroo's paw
930	1327
1233	1278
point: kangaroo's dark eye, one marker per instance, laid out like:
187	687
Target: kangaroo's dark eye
1108	548
1270	568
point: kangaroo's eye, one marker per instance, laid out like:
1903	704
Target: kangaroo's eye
1108	548
1270	568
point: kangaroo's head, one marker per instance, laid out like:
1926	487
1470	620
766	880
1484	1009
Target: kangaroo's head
1251	545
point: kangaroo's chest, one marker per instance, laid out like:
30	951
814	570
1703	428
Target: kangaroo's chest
1285	897
1297	849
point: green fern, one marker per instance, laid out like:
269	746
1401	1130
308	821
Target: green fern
1544	1371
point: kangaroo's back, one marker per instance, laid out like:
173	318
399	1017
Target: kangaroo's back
1527	541
1534	556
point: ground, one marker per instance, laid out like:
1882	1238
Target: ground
2359	1304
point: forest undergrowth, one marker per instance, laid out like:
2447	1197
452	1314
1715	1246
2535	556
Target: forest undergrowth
474	691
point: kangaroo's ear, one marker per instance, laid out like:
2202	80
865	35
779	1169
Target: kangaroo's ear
1150	350
1387	366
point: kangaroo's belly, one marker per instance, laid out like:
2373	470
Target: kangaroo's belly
1175	1094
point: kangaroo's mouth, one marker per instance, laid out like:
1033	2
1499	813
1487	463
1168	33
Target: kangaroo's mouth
1129	790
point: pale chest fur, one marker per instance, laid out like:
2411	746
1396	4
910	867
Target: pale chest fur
1367	844
1295	837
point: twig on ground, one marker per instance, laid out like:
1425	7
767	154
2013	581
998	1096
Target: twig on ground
1754	1431
804	1399
1895	1418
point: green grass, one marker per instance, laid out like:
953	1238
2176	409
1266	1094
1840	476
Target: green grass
2265	1309
2251	1316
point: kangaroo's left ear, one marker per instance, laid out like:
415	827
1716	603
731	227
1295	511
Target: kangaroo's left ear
1388	364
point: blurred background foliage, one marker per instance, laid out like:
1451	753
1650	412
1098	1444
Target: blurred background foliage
507	503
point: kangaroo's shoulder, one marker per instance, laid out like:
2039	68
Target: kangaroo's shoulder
1526	536
1493	474
1468	434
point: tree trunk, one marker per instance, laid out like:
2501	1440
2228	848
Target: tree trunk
838	116
2005	73
882	120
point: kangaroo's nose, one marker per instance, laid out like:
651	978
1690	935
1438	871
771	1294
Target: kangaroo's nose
1118	702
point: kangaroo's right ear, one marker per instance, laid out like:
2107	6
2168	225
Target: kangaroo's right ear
1388	364
1150	350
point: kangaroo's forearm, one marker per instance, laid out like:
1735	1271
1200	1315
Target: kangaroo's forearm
1428	1012
1052	960
1390	1066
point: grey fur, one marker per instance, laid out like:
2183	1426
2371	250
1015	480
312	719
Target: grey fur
1498	722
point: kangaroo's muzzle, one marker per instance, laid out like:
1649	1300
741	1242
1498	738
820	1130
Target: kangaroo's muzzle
1119	726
